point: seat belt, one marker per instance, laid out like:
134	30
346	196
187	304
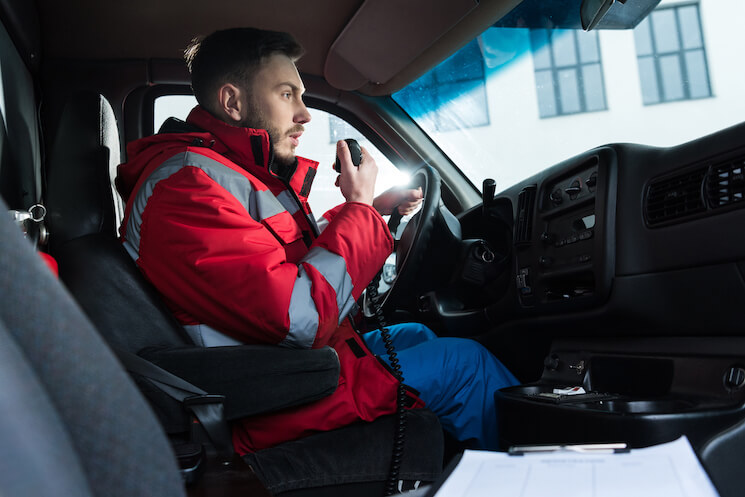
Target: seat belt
207	408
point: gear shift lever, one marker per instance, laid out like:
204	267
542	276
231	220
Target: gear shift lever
488	189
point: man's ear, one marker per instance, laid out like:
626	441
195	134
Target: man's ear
230	102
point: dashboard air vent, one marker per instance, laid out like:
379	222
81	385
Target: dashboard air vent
725	184
524	220
675	197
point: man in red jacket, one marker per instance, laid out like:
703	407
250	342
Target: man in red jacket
217	219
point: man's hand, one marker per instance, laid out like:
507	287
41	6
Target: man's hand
357	184
406	200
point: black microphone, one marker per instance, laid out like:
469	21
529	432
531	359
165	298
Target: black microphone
354	150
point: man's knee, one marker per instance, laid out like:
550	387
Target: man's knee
466	348
473	359
422	331
410	334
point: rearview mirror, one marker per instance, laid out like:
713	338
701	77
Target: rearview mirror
592	11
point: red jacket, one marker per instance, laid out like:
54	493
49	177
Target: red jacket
234	254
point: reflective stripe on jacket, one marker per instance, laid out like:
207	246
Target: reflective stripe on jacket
237	259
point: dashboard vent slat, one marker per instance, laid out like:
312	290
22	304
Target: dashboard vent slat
725	184
524	219
675	197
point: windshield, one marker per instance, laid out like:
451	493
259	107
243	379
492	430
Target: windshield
515	101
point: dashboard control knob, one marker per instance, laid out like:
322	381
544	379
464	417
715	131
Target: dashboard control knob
592	181
556	196
548	238
574	189
734	378
545	261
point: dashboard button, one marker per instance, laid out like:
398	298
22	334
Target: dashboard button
523	281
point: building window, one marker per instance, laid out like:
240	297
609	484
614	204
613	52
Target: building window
568	72
671	54
455	89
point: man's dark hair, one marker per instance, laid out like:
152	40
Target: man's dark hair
232	56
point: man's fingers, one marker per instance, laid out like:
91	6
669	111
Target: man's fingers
415	195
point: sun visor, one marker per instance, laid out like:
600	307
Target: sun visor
567	14
376	45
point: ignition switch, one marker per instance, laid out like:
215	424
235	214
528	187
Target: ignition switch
579	367
484	253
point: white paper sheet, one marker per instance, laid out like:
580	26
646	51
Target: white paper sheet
670	470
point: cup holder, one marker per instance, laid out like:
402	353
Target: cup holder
602	402
540	413
623	406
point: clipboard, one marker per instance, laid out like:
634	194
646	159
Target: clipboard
519	450
597	470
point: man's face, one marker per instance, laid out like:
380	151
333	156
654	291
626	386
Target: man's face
275	104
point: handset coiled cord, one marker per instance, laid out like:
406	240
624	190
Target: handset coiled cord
355	154
400	433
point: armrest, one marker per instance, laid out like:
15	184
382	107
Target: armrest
253	378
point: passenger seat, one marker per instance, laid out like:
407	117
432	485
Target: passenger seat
73	423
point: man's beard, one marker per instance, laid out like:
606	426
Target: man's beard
256	120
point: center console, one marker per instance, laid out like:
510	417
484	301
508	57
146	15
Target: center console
563	236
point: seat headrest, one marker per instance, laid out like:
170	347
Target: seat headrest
81	198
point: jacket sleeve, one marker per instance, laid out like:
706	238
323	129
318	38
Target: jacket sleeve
219	266
328	216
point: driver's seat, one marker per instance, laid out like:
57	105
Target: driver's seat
131	317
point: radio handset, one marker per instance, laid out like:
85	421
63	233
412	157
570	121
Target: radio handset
372	290
354	150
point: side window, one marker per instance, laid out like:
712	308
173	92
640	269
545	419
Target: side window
172	106
317	143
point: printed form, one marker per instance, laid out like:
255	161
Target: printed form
670	469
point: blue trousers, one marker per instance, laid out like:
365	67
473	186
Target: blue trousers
455	377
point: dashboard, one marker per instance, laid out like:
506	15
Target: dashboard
621	240
627	279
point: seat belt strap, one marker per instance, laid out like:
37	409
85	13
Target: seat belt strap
207	408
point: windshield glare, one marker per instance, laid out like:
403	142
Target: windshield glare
515	101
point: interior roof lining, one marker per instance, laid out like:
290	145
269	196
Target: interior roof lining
165	27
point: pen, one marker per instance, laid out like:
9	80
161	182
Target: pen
601	448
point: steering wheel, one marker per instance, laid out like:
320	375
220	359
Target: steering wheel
411	248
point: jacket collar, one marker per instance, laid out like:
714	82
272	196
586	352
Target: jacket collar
252	147
241	145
